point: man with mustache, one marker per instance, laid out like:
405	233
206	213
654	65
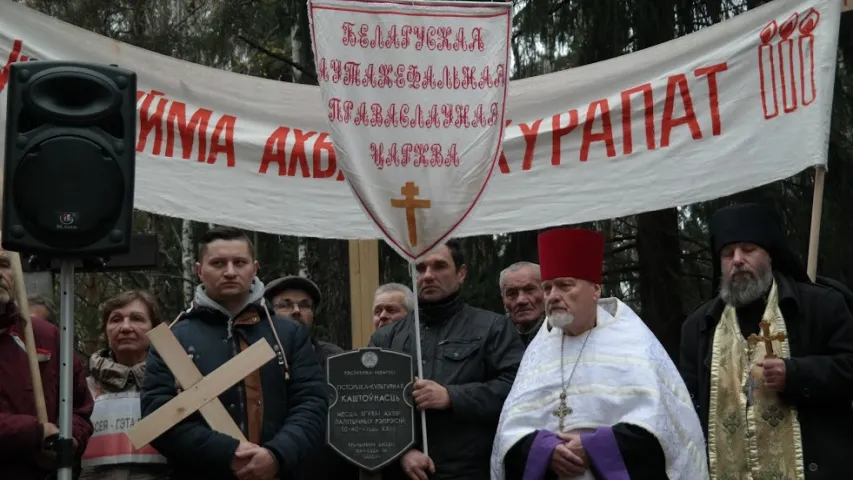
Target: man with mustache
596	396
470	357
523	298
769	361
23	439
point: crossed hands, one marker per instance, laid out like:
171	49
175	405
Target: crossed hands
252	462
569	459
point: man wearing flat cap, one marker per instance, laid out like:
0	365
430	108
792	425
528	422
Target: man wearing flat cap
596	396
769	360
298	297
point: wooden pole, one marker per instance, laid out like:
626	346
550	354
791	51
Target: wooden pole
20	294
817	211
363	279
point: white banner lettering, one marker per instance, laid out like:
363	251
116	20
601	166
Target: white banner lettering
416	102
733	106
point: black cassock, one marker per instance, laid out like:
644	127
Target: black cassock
641	452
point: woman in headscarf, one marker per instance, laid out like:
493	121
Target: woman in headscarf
116	377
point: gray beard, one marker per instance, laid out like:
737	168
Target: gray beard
745	289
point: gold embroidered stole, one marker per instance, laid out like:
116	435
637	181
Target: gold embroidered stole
752	435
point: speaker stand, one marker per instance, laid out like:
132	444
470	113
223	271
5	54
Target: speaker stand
64	446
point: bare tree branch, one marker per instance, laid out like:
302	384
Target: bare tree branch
276	56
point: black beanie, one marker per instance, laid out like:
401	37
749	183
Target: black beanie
757	224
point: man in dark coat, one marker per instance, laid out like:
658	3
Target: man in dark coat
769	361
281	407
523	298
470	357
298	298
22	437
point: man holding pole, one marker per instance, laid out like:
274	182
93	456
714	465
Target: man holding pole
769	361
470	357
23	432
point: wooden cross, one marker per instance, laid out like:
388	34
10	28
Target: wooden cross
199	393
766	338
410	203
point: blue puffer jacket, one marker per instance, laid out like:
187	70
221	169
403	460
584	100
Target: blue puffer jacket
294	409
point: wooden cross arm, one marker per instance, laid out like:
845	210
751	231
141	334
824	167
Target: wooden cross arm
187	375
200	394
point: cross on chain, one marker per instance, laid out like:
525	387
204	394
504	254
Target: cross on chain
410	203
562	410
766	338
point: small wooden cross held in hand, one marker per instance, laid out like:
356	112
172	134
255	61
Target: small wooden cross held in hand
766	338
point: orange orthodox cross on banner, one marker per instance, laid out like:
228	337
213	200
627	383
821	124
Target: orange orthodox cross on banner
409	201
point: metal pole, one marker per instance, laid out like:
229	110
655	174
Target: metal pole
64	446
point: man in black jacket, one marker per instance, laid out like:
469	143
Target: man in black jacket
281	407
470	359
769	361
298	298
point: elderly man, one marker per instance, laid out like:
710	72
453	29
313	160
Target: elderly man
769	361
391	302
523	298
281	407
596	396
298	297
42	308
470	358
22	437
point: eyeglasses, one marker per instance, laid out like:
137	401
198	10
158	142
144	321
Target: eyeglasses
288	305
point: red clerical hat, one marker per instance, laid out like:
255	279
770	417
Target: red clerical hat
571	252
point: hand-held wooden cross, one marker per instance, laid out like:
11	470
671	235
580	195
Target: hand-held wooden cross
200	393
766	338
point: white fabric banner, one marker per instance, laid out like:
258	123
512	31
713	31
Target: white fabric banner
733	106
416	96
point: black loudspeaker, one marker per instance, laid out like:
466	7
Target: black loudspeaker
70	159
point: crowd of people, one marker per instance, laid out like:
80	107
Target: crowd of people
566	383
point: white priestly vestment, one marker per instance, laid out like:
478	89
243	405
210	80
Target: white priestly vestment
624	376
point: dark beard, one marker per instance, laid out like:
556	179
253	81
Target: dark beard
742	288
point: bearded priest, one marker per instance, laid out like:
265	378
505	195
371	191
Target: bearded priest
596	396
769	360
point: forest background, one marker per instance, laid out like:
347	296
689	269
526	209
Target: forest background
658	262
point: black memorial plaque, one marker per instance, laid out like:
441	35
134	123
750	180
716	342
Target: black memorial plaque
371	419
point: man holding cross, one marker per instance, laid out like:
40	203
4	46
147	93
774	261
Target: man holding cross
280	408
769	361
596	396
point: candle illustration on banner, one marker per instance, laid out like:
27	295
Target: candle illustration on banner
767	71
786	64
806	47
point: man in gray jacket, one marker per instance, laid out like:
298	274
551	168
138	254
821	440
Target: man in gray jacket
470	359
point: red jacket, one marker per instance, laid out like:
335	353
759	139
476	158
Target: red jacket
20	432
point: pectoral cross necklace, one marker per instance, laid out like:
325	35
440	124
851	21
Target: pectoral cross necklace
563	408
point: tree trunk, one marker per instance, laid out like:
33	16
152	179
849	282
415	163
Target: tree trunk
659	252
658	247
187	263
